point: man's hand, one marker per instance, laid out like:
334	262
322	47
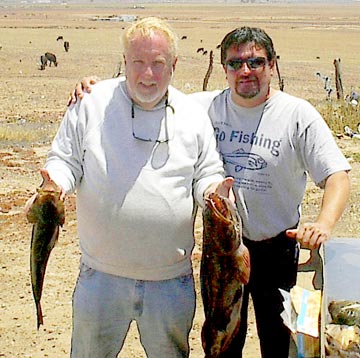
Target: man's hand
310	235
223	188
46	184
82	86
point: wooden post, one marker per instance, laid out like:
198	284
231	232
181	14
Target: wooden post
208	73
339	86
281	80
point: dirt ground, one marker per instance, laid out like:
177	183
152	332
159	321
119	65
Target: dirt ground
33	103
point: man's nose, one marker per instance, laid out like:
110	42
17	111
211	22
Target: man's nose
148	70
245	67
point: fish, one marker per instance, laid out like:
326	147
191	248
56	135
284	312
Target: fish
47	214
243	160
224	270
345	312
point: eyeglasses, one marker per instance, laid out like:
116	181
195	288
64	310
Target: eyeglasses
166	126
253	63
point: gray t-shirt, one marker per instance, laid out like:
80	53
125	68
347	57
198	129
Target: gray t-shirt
270	150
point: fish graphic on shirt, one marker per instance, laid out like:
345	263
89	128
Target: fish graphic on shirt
244	160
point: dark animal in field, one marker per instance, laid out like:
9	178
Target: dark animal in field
205	52
60	38
51	58
184	37
66	46
200	49
43	62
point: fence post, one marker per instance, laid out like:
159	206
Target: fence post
339	86
281	80
208	73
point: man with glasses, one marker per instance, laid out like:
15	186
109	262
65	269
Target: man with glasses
270	142
139	153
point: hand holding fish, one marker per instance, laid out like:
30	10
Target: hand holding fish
47	184
223	188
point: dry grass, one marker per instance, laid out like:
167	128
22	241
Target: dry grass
308	38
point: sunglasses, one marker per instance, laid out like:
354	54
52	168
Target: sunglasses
253	63
148	139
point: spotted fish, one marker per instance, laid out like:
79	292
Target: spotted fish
345	312
47	214
225	268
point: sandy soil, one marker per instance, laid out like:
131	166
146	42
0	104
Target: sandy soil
33	103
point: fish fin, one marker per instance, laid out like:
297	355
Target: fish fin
61	213
54	238
40	320
243	261
32	215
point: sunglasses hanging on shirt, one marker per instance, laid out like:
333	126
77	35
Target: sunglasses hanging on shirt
160	139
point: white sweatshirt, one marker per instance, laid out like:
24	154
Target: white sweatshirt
135	198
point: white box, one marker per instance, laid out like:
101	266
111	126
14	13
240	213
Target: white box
340	268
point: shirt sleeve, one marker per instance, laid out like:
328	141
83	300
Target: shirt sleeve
209	168
64	161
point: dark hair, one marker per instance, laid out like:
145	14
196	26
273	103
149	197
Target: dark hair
246	34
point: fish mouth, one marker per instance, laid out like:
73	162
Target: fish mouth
51	191
222	208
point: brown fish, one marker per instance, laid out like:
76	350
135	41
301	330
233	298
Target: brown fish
47	214
225	268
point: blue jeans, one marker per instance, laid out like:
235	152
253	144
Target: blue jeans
105	305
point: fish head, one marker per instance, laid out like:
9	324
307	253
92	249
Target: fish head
47	207
224	223
222	208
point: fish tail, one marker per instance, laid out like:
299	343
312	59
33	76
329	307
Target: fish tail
40	320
